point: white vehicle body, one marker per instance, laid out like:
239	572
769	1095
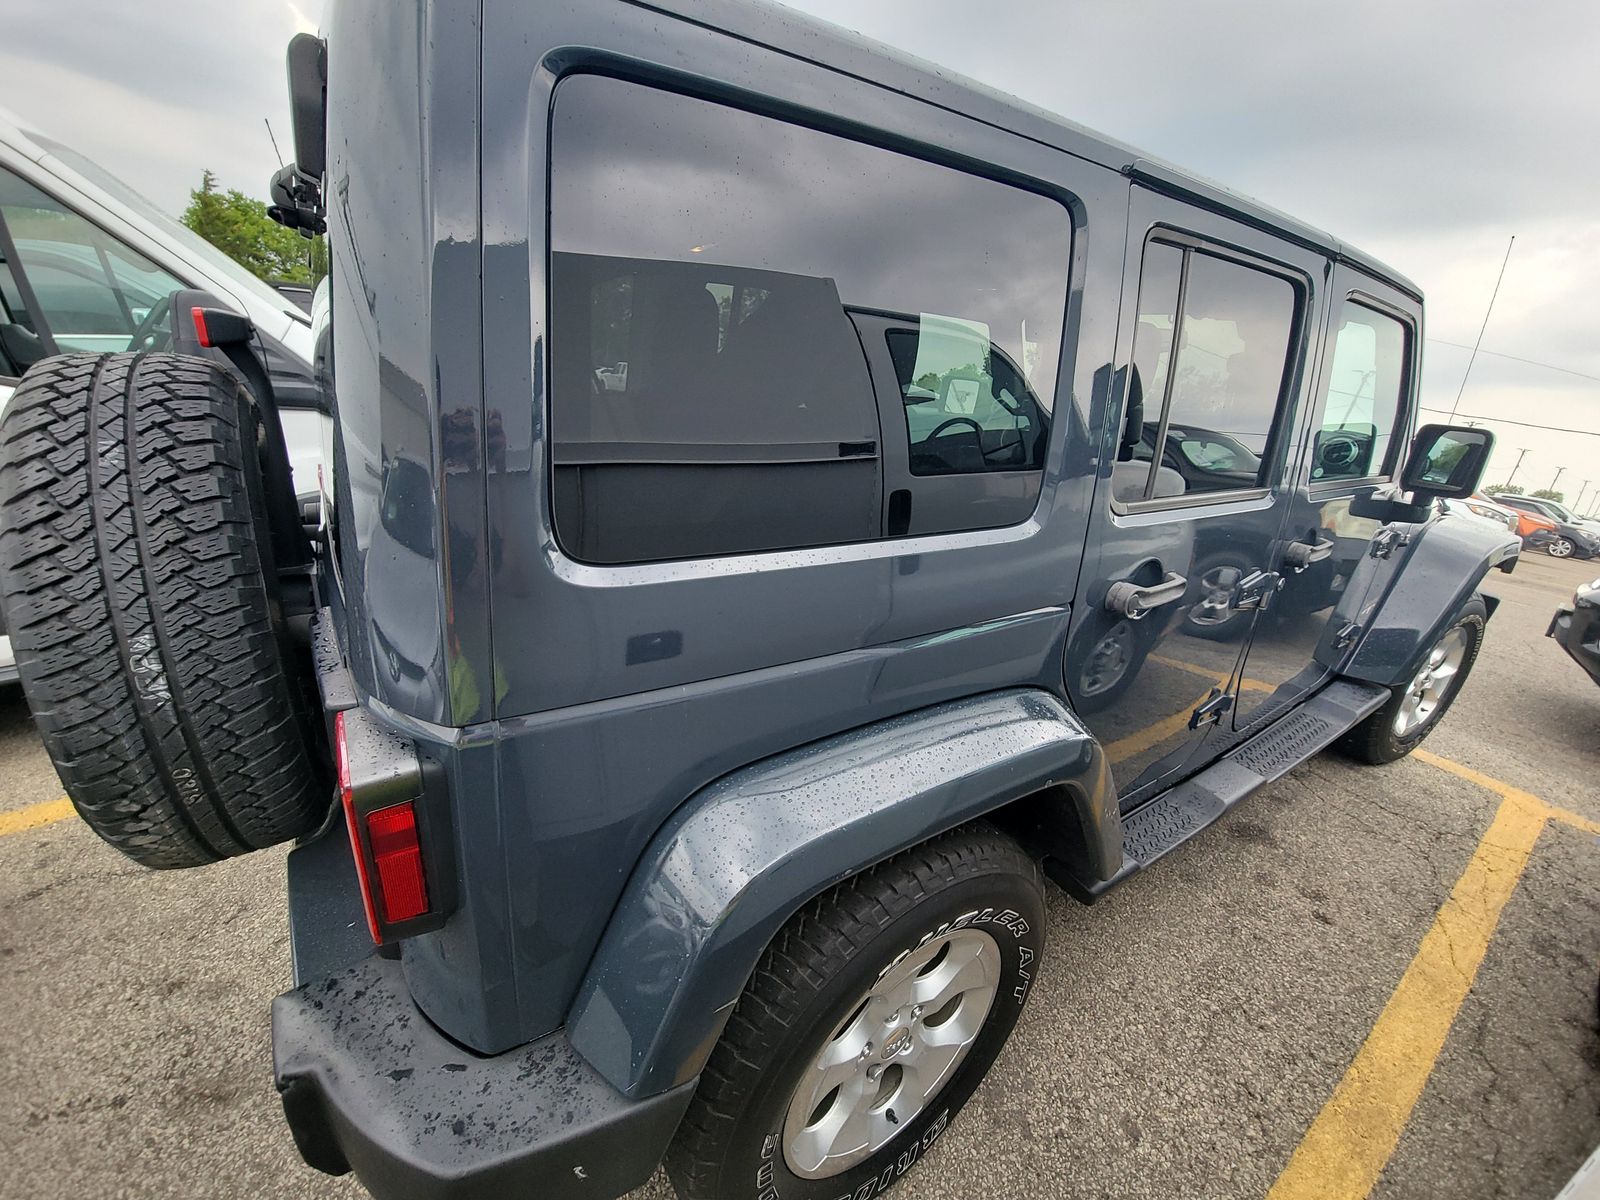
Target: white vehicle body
1484	510
128	220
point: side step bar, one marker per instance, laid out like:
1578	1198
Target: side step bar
1175	816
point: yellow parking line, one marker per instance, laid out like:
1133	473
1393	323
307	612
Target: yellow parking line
1506	791
35	815
1141	740
1350	1142
1247	684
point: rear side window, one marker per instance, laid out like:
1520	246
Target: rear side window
1365	397
716	279
1211	352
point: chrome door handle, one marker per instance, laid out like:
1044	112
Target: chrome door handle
1130	600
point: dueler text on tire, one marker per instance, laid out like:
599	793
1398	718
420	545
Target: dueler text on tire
867	1025
136	575
1415	707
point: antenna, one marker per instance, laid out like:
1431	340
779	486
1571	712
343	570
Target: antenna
1481	328
268	124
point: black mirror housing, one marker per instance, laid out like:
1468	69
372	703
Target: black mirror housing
1447	460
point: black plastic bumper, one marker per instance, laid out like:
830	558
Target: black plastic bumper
1577	631
369	1084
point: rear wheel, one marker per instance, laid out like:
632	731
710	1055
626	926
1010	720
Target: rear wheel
868	1023
1416	707
139	591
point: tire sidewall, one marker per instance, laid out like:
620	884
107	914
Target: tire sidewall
1009	908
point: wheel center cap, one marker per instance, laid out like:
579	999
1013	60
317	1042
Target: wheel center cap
899	1042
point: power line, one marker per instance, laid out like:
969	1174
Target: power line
1532	362
1504	421
1484	326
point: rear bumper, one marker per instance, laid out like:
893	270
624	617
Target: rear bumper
1577	631
369	1085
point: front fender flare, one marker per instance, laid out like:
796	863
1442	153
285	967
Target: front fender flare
1446	561
745	853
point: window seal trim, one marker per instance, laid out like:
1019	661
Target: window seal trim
1192	500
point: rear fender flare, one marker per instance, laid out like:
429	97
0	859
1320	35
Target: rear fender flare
748	851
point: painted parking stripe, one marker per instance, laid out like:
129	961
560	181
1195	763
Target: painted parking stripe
1350	1142
35	815
1154	734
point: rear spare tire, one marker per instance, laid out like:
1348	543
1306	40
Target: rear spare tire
139	589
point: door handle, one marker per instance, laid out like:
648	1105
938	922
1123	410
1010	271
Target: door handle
1130	600
1300	555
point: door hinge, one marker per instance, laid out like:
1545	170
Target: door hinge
1386	541
1257	589
1211	709
1347	635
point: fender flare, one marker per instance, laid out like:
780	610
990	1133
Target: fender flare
1446	562
748	851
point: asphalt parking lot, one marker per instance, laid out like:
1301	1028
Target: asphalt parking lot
1254	1016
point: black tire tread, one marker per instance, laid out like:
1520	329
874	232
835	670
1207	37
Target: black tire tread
811	947
138	605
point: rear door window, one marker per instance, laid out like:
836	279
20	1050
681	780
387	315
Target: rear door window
1211	353
715	279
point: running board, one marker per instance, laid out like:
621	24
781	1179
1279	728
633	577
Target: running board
1175	816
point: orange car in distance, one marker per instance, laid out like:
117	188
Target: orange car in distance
1527	523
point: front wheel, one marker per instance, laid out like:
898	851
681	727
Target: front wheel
1560	547
870	1020
1416	707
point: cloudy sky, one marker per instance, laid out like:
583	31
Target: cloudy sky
1425	132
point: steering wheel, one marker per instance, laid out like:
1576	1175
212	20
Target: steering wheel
147	327
977	430
1339	453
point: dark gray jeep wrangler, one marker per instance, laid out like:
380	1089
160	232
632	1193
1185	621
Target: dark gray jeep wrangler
786	502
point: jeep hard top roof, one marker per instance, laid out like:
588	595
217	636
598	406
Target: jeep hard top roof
804	37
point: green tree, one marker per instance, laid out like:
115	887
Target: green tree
241	229
1507	489
1549	494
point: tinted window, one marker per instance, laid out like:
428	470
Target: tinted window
1362	408
92	290
1210	400
710	392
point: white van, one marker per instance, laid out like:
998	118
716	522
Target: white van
84	259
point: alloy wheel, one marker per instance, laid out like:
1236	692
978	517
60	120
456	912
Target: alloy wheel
896	1051
1431	685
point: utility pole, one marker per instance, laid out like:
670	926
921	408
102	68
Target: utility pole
1474	356
1581	491
1557	479
1521	451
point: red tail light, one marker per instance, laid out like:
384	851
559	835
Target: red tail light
392	834
385	838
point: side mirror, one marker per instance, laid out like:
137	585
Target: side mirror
1447	460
